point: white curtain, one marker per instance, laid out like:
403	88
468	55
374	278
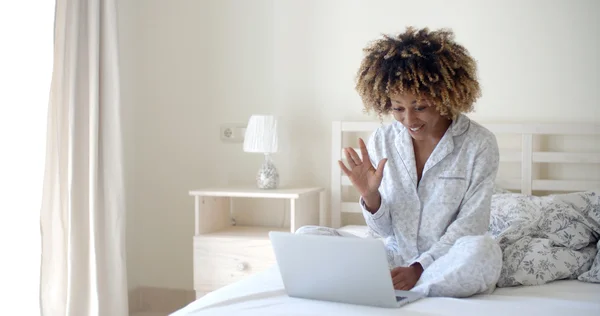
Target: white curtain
83	217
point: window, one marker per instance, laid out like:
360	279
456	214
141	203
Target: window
26	34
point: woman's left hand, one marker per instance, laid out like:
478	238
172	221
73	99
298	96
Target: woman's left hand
405	278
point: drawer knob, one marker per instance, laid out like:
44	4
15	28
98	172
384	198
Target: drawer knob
242	266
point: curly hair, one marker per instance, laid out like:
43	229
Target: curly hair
431	65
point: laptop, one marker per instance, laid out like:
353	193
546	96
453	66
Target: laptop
337	269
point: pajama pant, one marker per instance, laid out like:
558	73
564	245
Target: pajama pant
471	266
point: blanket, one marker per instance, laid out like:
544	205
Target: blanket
547	238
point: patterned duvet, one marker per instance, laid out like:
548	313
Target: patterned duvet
547	238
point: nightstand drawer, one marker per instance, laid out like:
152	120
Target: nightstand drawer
225	253
219	261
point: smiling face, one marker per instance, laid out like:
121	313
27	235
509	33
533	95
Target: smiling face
430	64
421	118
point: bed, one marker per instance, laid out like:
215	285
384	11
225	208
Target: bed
549	177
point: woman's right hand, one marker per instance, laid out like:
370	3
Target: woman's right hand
363	175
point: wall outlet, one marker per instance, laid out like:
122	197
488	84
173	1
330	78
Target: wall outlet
233	133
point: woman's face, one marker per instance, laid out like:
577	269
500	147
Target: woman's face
421	118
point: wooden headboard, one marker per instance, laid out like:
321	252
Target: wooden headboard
527	154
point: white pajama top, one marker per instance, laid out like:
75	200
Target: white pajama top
420	222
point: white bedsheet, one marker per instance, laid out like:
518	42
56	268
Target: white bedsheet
356	230
264	294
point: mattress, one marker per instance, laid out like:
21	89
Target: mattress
264	294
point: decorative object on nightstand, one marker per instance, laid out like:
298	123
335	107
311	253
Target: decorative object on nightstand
224	253
261	137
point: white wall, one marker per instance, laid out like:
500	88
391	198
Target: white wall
190	66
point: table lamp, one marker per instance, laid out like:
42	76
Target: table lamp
261	137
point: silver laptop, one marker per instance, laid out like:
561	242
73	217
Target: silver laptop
338	269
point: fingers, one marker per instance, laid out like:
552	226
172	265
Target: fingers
350	158
402	279
401	286
344	168
355	160
398	278
354	155
400	282
363	150
380	166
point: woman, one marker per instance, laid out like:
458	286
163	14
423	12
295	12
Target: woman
426	180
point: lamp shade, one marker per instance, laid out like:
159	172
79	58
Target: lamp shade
261	134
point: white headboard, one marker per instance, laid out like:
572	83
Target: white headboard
526	155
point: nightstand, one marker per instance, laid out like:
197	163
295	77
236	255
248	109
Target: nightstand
225	253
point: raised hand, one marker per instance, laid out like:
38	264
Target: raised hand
363	175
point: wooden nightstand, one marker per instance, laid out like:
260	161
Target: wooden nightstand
225	253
